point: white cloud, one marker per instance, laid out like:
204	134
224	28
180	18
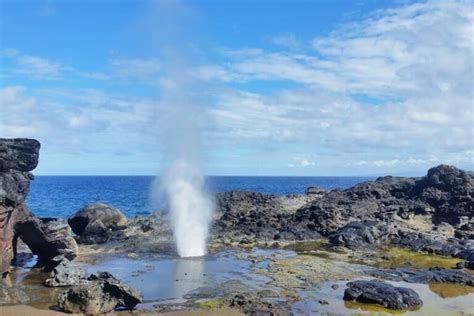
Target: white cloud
390	91
37	67
409	162
129	69
398	83
9	52
301	163
306	163
83	120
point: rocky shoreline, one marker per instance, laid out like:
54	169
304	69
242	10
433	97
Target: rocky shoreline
433	214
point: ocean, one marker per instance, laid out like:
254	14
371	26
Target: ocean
61	196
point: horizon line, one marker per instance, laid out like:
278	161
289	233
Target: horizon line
255	176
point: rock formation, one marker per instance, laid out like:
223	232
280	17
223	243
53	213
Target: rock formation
93	222
434	213
17	158
46	238
444	195
383	294
101	293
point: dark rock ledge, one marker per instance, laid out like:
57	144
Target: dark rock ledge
52	241
383	294
46	238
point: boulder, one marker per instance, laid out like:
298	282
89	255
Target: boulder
450	191
314	191
64	273
102	293
97	215
383	294
359	235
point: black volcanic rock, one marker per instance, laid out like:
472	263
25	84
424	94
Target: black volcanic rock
14	186
17	158
383	294
359	235
417	213
465	231
45	238
246	216
430	276
19	154
446	194
449	190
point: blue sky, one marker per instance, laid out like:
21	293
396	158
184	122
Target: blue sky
273	87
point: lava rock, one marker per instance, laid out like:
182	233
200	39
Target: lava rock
359	235
97	215
64	273
95	233
14	187
249	215
436	275
19	154
423	242
449	191
314	191
383	294
432	275
47	238
445	195
102	293
465	231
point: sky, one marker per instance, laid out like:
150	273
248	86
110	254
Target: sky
299	88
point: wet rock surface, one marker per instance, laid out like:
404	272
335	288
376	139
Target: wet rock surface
383	294
100	293
431	275
436	275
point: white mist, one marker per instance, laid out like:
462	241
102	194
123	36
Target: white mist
177	120
190	208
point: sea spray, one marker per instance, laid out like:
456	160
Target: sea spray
181	185
190	208
177	120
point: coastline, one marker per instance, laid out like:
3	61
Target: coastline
394	243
